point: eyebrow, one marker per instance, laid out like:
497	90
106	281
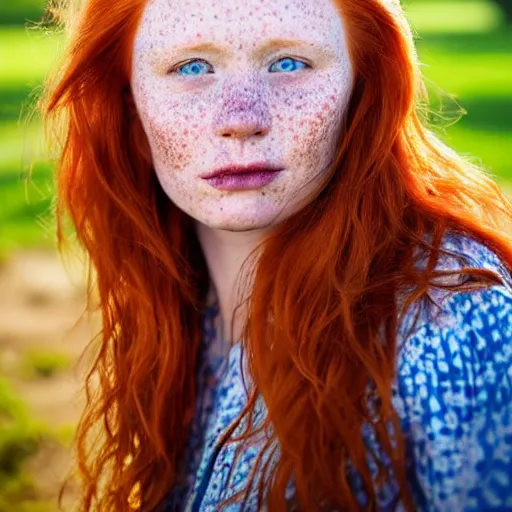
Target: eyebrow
281	43
266	47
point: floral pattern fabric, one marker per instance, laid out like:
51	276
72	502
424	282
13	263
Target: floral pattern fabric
453	395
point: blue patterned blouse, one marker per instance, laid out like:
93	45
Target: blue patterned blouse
453	395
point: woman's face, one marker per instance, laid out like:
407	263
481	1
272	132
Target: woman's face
259	84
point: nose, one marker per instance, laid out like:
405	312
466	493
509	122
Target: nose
243	113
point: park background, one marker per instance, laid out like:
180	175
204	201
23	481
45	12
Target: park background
466	49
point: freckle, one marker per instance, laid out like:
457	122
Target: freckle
263	193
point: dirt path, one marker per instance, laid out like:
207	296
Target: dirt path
39	307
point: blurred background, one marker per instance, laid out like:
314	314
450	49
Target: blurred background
466	48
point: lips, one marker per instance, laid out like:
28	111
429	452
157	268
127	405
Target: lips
230	170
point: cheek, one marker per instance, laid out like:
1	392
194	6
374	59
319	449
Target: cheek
173	131
312	125
167	148
312	105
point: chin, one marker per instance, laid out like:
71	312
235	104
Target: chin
239	215
238	225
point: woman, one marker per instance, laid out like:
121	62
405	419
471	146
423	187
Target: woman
306	297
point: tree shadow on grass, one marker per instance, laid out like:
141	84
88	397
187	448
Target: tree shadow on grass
488	113
41	174
487	123
29	212
18	103
492	114
23	197
497	41
21	12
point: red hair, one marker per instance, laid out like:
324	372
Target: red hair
332	329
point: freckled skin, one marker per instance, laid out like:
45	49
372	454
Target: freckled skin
241	112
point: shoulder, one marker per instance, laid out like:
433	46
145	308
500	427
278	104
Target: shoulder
476	254
445	307
462	345
477	322
454	391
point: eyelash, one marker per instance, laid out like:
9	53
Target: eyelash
178	66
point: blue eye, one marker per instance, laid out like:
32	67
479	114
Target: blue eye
194	68
288	64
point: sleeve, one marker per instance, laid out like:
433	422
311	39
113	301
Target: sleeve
454	399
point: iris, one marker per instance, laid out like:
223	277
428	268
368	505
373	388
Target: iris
198	67
288	64
193	68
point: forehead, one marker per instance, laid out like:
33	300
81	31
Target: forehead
179	22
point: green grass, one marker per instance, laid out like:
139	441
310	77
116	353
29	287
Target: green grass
459	16
20	438
480	82
19	12
42	364
466	53
25	205
467	59
25	56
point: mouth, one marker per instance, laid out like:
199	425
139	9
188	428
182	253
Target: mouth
230	170
242	177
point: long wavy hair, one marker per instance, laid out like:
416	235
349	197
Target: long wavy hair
320	328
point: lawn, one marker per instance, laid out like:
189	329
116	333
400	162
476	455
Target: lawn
467	59
25	56
467	56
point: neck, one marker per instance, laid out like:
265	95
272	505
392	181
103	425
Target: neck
225	252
